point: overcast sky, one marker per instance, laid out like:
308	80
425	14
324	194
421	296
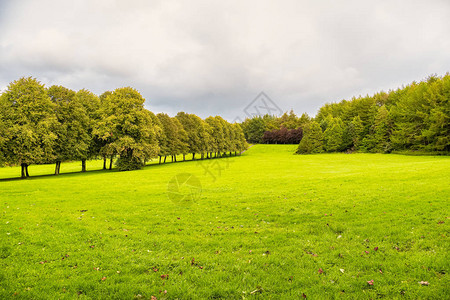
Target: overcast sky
214	57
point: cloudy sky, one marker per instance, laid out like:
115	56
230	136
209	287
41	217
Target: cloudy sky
214	57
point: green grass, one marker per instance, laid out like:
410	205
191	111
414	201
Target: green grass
261	229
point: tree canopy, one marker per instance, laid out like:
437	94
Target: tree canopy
52	125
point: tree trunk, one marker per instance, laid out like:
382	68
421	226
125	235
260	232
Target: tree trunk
193	156
184	157
83	165
172	157
159	159
203	156
175	158
235	153
104	162
165	156
58	163
26	170
23	174
110	162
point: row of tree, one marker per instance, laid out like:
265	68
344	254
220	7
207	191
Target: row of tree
53	125
415	117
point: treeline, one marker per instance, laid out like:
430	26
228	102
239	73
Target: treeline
52	125
412	118
269	129
415	117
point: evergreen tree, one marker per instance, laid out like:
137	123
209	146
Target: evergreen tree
312	141
333	135
254	129
355	132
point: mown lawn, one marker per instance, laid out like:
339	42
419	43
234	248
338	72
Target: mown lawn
268	225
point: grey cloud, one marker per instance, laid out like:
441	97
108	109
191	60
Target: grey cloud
214	57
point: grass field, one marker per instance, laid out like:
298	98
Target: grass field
267	225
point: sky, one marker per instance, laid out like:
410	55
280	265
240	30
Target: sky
213	57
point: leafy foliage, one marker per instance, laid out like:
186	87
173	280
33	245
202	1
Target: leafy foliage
312	141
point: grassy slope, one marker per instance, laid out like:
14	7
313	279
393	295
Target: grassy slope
265	225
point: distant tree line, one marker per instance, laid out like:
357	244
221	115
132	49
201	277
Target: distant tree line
268	129
52	125
415	117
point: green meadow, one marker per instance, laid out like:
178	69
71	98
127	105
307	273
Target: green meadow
267	225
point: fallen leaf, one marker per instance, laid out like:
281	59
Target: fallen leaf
376	248
165	276
103	278
423	282
320	271
342	270
370	282
303	295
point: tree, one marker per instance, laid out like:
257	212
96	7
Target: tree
290	121
28	116
294	136
195	131
174	137
103	128
127	129
382	130
436	134
239	138
217	135
254	129
312	141
91	104
166	143
181	142
73	138
333	135
355	131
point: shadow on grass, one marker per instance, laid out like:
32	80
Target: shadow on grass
76	173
